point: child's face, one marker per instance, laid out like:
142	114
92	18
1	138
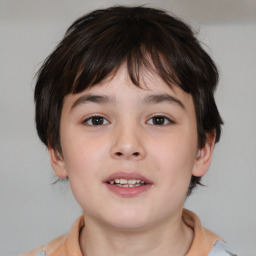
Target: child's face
116	130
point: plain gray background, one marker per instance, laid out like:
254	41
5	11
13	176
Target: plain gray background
33	211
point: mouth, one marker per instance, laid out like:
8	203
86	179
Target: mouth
127	184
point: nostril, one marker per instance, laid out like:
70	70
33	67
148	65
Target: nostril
121	154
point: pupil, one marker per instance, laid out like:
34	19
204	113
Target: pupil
158	120
97	120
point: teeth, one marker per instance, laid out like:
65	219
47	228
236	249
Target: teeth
136	185
123	181
132	182
127	183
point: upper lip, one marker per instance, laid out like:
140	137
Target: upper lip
127	176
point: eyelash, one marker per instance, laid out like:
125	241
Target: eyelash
152	121
161	118
89	121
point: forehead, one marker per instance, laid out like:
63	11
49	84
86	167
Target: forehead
118	88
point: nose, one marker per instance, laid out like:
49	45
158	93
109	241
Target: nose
128	144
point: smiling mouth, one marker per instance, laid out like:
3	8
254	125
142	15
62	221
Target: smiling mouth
127	183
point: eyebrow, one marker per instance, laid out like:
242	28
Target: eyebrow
159	98
103	99
100	99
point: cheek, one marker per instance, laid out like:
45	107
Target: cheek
81	151
82	174
83	162
174	158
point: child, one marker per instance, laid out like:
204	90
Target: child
125	106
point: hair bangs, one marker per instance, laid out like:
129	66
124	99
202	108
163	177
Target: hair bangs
141	55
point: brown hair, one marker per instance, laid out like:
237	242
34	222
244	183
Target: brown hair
97	44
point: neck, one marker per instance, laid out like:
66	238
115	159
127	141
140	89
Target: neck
165	239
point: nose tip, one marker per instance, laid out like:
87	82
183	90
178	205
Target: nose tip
127	145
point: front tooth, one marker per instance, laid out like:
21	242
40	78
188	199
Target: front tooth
138	181
117	181
123	181
132	182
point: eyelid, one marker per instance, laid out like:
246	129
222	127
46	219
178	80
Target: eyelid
169	120
85	121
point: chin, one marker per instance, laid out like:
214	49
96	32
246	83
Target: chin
129	220
129	226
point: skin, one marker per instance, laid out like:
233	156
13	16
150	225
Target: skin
130	138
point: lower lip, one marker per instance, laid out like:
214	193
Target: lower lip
128	191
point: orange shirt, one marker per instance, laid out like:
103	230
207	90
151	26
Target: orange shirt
68	245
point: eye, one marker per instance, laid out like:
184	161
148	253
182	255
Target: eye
96	121
160	120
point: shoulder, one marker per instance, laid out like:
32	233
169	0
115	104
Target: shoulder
50	248
35	252
65	245
205	242
220	249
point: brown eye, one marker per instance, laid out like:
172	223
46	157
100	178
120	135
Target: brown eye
96	121
159	120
